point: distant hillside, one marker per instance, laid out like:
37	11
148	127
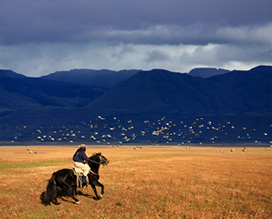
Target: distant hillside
155	90
207	72
97	78
18	91
164	91
11	74
252	89
146	91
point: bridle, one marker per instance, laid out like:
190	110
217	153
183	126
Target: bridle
94	161
103	161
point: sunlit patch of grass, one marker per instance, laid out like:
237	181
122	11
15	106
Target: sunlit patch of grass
148	183
20	165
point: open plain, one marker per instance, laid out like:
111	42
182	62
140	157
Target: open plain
146	182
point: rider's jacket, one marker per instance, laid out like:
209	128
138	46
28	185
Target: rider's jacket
80	157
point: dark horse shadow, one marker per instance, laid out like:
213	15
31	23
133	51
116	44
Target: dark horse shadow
80	193
64	182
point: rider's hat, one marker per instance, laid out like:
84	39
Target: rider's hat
82	146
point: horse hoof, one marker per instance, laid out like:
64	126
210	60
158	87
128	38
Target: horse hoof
78	202
101	195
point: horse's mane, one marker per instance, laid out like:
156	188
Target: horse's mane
95	154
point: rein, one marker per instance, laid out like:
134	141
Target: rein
94	161
92	172
101	162
101	158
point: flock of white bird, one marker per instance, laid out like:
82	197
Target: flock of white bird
114	132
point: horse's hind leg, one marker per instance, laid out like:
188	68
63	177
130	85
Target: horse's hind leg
55	195
71	192
55	201
74	192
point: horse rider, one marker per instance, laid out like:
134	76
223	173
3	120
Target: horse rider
80	160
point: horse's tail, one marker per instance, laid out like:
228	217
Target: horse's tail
51	193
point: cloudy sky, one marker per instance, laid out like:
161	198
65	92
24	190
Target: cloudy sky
38	37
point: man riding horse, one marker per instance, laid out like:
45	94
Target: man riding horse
64	182
80	161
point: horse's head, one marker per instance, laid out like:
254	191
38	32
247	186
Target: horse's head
103	160
99	159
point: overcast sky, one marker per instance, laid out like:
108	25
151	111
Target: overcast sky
38	37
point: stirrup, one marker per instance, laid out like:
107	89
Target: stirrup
84	181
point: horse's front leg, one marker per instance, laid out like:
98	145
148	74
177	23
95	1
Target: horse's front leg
95	192
102	188
96	183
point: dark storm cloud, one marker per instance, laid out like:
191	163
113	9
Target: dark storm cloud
38	37
142	21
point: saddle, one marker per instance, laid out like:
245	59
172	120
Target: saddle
79	175
78	171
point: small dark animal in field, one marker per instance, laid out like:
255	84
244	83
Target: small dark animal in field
64	182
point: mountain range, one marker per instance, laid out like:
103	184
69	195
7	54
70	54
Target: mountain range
98	78
207	72
18	91
163	91
71	96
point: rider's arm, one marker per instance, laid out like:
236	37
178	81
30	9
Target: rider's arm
84	156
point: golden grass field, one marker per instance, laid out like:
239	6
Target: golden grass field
152	182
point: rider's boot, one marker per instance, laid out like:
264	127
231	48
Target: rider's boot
84	181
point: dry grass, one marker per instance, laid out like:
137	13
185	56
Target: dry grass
153	182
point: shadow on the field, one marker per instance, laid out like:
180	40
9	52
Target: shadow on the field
68	200
80	193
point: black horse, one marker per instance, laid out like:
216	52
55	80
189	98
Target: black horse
64	181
